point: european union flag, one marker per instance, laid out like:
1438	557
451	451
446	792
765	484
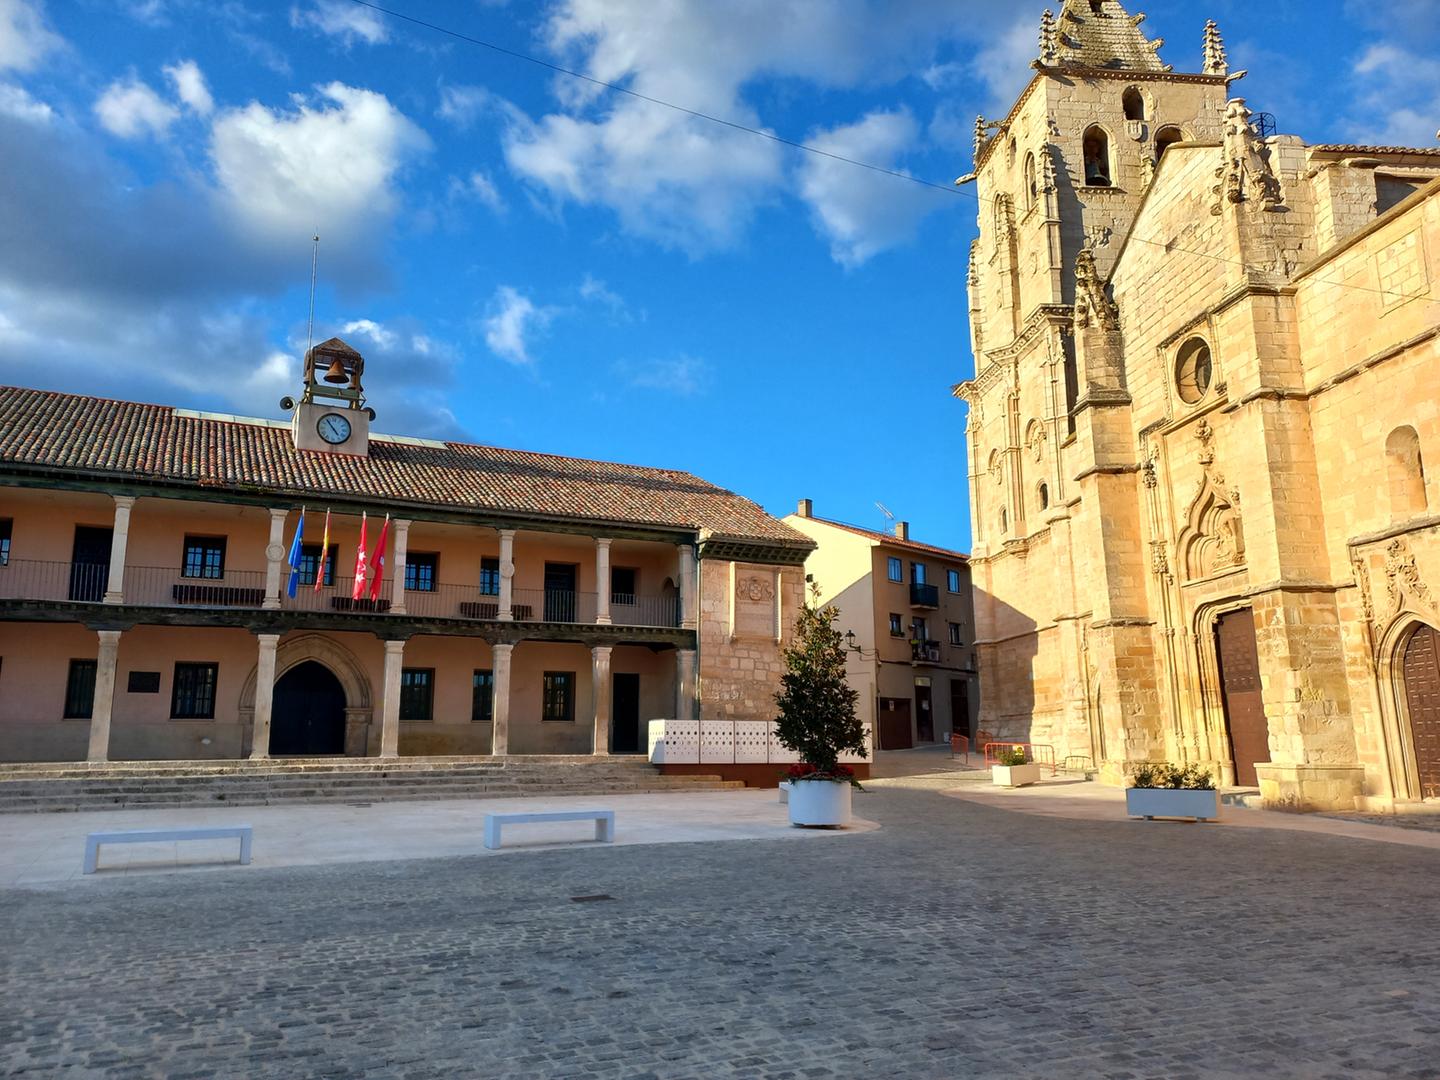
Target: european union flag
295	555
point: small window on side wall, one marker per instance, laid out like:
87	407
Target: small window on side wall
955	634
897	625
489	577
1193	369
895	569
1042	495
5	541
952	580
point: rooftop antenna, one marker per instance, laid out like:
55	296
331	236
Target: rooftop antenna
885	510
310	324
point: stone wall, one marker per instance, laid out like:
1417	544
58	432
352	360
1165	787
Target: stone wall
747	615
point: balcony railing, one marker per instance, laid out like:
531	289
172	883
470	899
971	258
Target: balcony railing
924	596
925	652
155	586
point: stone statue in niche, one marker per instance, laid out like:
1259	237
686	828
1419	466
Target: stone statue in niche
1214	540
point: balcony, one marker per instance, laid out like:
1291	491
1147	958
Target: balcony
925	652
154	586
924	596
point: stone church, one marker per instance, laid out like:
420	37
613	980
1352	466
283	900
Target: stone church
1207	391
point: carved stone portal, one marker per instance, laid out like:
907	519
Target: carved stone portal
1214	539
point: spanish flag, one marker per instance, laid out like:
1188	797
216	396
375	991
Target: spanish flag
324	559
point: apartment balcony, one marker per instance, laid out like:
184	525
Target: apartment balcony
925	652
924	596
166	587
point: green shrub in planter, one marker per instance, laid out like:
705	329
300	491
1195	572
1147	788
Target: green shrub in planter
1011	756
1162	774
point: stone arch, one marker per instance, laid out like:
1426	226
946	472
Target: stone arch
1405	473
1165	138
1042	495
1397	730
342	663
1132	101
1213	539
1095	152
1206	724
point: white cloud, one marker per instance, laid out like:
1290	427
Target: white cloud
684	376
347	22
686	182
1397	96
374	331
129	108
463	105
1004	64
16	102
481	187
331	167
513	323
24	38
862	212
596	291
190	87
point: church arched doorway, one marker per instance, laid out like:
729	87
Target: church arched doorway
308	712
1420	672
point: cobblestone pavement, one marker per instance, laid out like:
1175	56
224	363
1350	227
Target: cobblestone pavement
958	940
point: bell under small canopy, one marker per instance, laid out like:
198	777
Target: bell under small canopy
333	362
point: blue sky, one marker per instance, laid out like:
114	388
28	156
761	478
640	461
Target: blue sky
529	261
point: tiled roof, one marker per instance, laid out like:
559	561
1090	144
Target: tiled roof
124	439
1352	148
894	541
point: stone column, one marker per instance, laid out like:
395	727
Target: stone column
602	580
104	696
115	586
274	558
264	696
390	710
600	684
507	576
500	656
688	603
684	684
397	564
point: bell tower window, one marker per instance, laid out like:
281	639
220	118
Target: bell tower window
1133	102
1164	139
1096	147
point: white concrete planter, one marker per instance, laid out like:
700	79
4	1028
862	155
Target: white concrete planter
784	792
1172	802
819	802
1015	775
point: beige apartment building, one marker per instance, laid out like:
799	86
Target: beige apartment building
906	610
1202	429
530	604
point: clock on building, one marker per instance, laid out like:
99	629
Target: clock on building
333	428
1192	370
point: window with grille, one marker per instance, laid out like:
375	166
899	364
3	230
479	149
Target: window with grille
204	557
310	563
417	693
80	690
559	702
489	577
422	572
193	695
482	697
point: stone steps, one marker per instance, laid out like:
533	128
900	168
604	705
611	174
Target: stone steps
135	785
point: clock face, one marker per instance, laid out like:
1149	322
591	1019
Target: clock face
334	428
1192	371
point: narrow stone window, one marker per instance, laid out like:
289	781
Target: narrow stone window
1032	191
1042	495
1133	102
1004	521
1096	148
1406	473
1164	139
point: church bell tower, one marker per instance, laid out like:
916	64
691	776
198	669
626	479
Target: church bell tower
331	416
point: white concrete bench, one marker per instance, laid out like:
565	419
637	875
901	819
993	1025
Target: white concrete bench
150	836
604	822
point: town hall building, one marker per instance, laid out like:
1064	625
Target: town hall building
1203	430
156	602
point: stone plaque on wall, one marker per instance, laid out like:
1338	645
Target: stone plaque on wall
754	605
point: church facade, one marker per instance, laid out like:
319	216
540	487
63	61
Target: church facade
1202	430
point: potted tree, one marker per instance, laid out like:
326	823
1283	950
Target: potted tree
1164	790
1013	768
815	718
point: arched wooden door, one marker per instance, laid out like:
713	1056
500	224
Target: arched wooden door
1420	670
1240	690
308	712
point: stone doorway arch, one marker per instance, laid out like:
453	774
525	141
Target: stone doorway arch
1409	681
342	663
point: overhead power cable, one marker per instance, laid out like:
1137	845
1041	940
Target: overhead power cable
698	114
